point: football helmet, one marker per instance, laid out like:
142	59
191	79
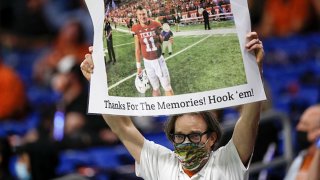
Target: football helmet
142	82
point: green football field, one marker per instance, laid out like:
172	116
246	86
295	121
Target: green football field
200	62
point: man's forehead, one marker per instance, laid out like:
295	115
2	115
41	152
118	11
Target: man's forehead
311	116
191	120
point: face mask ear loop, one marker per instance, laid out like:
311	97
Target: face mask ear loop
206	142
202	145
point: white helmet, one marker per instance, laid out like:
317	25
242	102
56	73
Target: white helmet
142	82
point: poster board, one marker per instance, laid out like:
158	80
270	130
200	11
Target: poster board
208	69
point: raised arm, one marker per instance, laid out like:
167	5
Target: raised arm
128	134
245	131
122	126
137	53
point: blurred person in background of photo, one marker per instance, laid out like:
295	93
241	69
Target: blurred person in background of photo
59	12
109	41
23	24
36	159
205	15
69	42
306	165
36	150
284	18
167	39
14	101
176	20
5	154
80	130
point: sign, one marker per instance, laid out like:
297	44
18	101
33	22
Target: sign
192	68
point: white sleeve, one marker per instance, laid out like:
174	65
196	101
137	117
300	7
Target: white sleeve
151	158
229	162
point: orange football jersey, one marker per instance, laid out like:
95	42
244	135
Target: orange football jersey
149	38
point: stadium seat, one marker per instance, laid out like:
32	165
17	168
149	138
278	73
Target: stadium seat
18	127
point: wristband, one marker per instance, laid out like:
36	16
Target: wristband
138	65
318	143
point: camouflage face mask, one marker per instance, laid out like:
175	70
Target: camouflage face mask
192	155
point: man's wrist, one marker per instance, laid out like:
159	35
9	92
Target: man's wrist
138	64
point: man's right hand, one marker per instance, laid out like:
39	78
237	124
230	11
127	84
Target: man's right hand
139	71
87	65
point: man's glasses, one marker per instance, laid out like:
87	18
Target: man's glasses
193	137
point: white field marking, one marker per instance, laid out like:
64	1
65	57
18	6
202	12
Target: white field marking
123	44
205	32
124	30
181	51
173	55
120	35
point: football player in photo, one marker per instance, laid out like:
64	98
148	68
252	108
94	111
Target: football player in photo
148	42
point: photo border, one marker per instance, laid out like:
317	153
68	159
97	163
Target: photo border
101	103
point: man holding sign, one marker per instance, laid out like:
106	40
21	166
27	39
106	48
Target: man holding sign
148	42
194	136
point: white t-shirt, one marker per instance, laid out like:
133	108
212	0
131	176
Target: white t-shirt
160	163
295	166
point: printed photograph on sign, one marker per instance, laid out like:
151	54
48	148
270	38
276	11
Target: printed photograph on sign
155	57
165	48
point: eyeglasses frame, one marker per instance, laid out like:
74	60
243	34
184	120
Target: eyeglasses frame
187	135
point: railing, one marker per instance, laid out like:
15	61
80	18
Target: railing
211	18
111	155
287	156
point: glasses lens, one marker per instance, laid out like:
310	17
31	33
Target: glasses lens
195	138
178	138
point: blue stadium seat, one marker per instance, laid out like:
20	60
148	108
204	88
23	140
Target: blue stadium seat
103	158
159	138
19	127
70	159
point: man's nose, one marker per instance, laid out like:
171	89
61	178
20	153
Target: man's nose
187	140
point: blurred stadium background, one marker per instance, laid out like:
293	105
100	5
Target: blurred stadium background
43	97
